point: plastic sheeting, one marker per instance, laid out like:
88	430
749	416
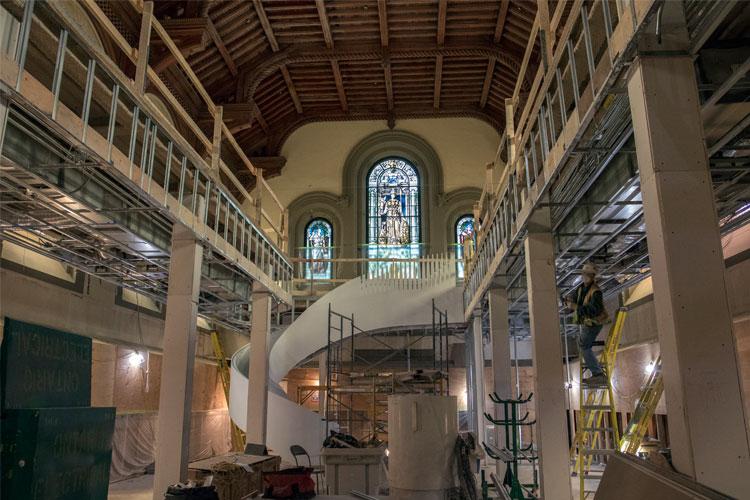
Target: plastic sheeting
134	440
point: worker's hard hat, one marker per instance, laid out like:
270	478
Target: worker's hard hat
589	268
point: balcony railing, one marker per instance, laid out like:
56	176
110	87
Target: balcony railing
72	82
577	72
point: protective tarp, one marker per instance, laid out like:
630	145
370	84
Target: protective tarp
134	440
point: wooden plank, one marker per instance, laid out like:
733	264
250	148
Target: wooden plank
143	47
339	84
240	152
438	82
216	144
177	107
266	25
324	24
292	90
442	15
99	16
222	48
383	20
169	43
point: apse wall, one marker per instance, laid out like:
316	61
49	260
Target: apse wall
316	153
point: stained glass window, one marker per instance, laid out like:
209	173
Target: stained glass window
318	242
393	216
464	231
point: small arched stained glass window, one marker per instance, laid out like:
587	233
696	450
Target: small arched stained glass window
464	233
318	243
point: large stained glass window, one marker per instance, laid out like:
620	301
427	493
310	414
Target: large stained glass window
464	232
318	242
393	216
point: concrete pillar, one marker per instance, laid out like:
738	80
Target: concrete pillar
501	369
701	380
180	333
549	391
478	357
257	388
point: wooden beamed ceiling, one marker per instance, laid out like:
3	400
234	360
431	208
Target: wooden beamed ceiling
278	64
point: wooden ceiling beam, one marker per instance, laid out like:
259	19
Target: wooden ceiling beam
383	20
388	85
438	82
339	84
259	116
500	23
221	47
324	24
442	15
266	25
290	87
488	74
487	82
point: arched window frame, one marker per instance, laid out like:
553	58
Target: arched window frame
457	232
318	270
410	200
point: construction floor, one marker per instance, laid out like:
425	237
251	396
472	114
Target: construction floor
141	487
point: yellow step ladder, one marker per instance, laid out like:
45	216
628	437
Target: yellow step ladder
597	432
238	437
644	410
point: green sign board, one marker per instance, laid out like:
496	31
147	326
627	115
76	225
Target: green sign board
56	453
44	368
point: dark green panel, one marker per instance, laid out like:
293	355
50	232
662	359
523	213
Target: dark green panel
44	368
57	453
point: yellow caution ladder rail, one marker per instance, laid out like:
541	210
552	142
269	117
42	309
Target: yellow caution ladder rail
644	410
597	432
238	437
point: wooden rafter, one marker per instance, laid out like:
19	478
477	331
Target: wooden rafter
292	90
328	37
442	16
383	21
258	116
266	25
490	72
221	47
438	81
388	84
324	24
339	84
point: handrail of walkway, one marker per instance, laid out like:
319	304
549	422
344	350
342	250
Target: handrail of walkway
577	72
160	161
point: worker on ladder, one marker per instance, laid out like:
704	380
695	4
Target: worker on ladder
589	313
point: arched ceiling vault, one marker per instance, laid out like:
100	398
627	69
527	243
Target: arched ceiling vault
276	65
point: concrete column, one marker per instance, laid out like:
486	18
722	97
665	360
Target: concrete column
257	389
701	380
501	369
478	357
180	333
549	391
